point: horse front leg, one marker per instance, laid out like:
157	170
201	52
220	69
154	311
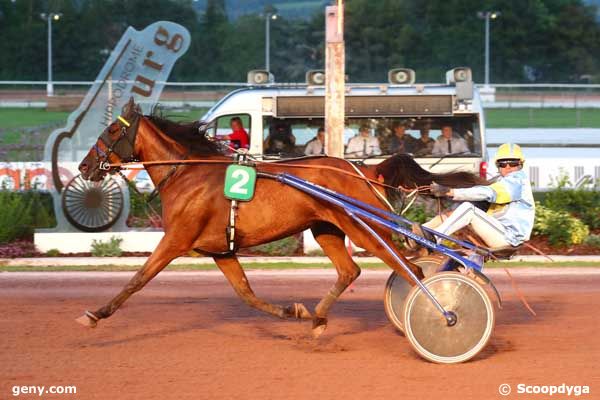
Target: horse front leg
331	240
164	253
231	268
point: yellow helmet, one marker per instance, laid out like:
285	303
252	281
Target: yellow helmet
510	151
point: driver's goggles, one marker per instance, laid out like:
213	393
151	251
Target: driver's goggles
508	163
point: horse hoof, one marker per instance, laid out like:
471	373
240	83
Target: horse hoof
301	312
319	326
318	331
88	320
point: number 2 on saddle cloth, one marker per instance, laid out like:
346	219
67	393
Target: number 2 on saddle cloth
240	182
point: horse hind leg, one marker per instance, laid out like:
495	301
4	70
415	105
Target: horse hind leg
331	240
231	268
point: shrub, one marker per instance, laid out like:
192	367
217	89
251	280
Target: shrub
53	253
13	217
19	248
592	240
140	214
584	204
418	213
22	212
560	227
112	248
285	247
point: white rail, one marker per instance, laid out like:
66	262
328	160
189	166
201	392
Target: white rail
199	84
89	83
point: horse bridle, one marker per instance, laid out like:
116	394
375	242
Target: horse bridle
122	146
127	137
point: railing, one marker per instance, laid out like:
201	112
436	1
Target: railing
543	95
33	93
555	95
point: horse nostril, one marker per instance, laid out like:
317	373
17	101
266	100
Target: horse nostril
83	167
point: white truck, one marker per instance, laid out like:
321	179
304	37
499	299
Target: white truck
298	111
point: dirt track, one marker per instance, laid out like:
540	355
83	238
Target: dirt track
187	336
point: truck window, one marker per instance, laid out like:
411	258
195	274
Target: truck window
287	137
416	136
223	128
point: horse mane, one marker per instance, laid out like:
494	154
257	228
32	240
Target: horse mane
188	134
403	170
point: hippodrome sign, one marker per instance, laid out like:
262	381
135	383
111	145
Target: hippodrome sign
138	67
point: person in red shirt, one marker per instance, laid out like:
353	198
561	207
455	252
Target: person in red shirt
238	137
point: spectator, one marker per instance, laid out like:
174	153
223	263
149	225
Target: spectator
424	145
280	140
401	142
363	144
317	145
447	143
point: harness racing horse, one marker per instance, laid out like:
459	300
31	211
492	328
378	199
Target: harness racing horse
196	213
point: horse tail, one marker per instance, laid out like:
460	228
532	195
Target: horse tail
459	179
403	170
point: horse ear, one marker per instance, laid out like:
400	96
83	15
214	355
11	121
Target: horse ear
130	106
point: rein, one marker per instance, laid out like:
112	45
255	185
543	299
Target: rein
131	166
130	160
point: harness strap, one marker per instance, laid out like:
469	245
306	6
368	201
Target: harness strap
414	196
240	158
230	230
380	195
162	182
129	165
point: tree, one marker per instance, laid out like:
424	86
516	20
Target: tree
533	40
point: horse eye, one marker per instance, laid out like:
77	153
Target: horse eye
113	128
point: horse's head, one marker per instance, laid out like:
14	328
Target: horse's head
116	144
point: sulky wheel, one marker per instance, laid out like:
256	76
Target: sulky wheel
429	333
92	206
397	288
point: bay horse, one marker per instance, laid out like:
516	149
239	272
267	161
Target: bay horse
196	213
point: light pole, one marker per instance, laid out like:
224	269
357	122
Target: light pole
268	17
49	17
487	15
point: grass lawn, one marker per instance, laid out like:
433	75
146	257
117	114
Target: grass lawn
11	118
13	122
542	118
282	266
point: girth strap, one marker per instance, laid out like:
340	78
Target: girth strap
241	159
230	230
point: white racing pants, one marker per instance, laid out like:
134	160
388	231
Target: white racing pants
487	227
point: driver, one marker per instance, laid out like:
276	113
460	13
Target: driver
509	220
238	136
